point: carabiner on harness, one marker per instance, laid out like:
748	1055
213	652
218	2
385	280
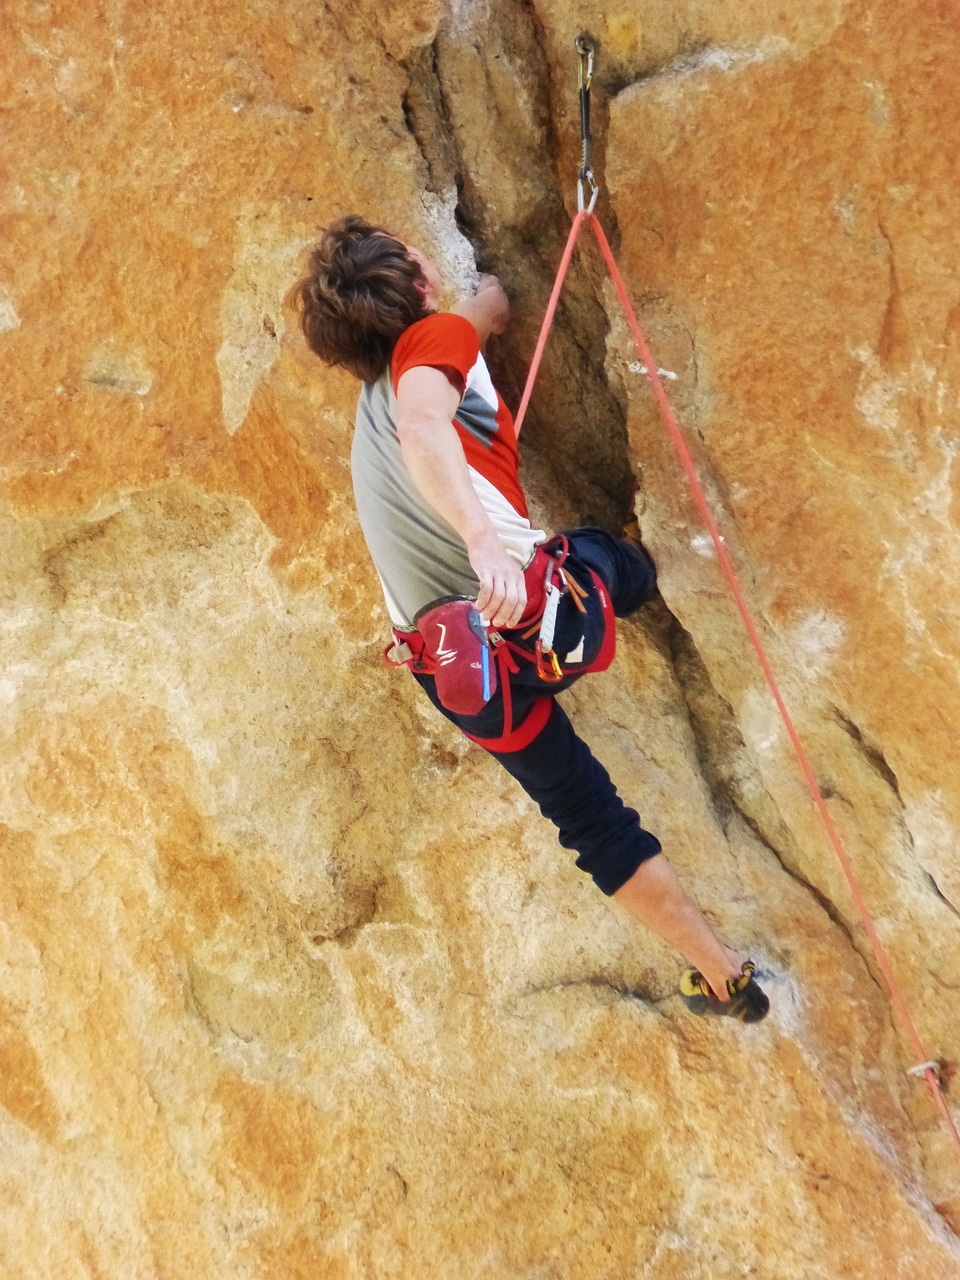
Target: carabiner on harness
585	177
547	664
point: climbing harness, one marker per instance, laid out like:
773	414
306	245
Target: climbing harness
931	1070
548	580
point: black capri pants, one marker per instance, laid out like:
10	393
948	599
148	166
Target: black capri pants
557	769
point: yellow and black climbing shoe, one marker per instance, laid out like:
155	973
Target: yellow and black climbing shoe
747	1001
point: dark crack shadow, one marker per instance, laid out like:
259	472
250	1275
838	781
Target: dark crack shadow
938	893
736	787
870	752
470	131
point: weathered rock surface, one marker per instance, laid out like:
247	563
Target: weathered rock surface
294	982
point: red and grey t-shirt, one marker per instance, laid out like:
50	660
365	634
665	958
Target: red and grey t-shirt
418	555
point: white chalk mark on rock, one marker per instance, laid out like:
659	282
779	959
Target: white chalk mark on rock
457	261
729	59
814	642
703	545
760	722
715	59
8	314
251	311
636	367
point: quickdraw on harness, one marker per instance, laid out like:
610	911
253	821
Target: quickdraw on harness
558	581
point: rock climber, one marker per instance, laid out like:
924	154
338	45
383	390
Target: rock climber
492	616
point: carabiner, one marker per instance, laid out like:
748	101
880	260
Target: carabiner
586	52
582	205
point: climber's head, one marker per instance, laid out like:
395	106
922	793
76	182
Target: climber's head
364	287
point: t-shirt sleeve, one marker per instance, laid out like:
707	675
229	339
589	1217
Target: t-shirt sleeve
443	341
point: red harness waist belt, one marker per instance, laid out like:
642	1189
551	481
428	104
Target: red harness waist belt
407	650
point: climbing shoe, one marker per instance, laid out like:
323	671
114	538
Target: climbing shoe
747	1001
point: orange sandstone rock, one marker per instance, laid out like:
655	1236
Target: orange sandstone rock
295	983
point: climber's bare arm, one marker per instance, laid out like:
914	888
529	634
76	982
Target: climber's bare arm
435	459
488	310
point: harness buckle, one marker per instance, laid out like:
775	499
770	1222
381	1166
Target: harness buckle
398	655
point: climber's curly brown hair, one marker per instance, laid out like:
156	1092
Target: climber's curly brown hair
361	292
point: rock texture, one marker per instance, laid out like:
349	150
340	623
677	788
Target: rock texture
294	982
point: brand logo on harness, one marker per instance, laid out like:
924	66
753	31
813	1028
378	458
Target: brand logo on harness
444	656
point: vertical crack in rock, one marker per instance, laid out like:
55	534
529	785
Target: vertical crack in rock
424	111
870	752
462	147
735	785
736	788
721	749
483	121
894	344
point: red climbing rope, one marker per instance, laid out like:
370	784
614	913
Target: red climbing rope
929	1069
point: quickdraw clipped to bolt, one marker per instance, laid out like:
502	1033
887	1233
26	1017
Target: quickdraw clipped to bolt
586	50
938	1069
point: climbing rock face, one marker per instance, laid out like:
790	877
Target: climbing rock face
295	981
